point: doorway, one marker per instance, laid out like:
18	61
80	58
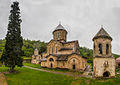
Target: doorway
51	65
73	67
106	74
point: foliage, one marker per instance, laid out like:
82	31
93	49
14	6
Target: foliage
3	68
116	56
12	54
30	45
87	53
2	45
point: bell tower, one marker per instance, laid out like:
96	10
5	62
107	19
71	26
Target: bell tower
103	61
60	34
102	44
36	52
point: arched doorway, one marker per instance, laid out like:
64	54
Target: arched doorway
106	74
51	65
73	67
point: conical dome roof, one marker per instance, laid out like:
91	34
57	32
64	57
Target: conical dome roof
59	27
102	34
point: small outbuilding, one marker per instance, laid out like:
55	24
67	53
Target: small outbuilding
118	62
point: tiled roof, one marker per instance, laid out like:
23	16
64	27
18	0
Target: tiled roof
102	33
69	42
63	57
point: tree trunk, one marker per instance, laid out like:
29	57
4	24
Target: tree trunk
12	69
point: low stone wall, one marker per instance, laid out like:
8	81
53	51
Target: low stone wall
3	80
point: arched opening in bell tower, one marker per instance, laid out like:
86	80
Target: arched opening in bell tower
100	48
107	48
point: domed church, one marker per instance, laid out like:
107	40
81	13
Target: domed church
63	54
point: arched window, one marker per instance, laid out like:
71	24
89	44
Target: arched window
51	59
52	50
100	48
63	64
63	35
49	50
107	48
94	46
56	49
58	35
74	60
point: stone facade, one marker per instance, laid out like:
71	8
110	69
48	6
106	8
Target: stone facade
63	54
36	57
103	61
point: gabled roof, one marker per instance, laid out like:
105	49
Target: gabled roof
102	34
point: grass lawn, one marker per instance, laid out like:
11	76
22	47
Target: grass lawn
27	76
27	57
58	70
32	77
87	81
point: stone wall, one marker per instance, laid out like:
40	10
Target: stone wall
102	41
74	60
79	62
102	65
60	35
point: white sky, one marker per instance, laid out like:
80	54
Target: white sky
81	18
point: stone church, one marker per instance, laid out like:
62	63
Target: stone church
63	54
103	61
36	57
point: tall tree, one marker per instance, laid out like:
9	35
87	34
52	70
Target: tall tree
14	41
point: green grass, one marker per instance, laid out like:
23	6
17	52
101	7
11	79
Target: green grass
58	70
87	81
32	77
27	57
27	76
32	65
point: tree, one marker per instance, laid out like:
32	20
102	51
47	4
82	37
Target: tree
12	54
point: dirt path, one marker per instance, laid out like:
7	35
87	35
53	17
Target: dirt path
3	80
73	74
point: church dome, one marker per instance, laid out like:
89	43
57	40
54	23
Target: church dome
60	34
59	27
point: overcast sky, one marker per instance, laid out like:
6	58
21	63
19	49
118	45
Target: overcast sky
81	18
